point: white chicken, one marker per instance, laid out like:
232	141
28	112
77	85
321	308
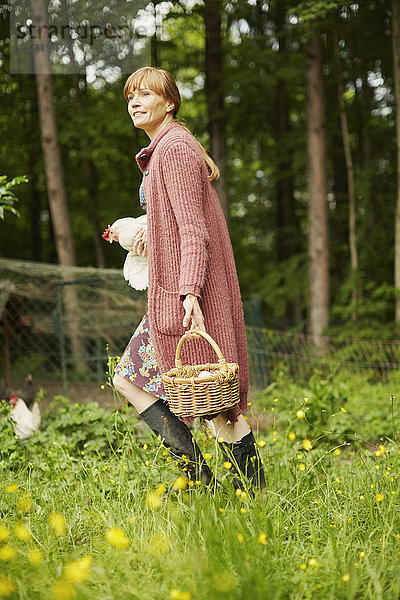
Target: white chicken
27	420
135	267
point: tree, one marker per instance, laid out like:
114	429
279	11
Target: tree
215	97
396	77
318	252
51	150
350	179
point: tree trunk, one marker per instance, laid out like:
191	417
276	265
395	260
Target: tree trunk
318	252
215	97
396	77
350	182
51	151
88	168
55	183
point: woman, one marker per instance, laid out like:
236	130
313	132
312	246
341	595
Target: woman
192	279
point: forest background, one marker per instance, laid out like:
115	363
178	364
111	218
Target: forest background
296	103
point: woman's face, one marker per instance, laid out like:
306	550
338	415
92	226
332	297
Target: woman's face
148	110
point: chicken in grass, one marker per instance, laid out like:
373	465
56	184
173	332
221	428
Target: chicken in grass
127	231
25	411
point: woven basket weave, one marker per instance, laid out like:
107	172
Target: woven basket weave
191	396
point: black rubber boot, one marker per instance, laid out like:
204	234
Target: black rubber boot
245	455
178	437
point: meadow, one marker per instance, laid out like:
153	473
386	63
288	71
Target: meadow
94	507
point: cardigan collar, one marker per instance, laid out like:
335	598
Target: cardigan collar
143	156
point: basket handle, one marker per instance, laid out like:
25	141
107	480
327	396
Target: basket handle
206	336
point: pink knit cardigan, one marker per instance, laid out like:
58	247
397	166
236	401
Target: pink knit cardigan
189	252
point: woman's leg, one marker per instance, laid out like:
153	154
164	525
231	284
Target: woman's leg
133	393
177	436
239	447
230	432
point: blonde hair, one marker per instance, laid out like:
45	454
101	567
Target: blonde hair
163	83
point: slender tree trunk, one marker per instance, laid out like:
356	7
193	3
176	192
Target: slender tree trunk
350	182
54	176
51	150
318	206
215	97
396	77
88	168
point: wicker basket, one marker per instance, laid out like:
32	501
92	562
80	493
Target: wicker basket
191	396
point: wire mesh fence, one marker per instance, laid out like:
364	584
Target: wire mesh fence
62	323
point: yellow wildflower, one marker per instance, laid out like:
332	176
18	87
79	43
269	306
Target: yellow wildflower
57	522
77	571
312	562
207	456
227	464
343	409
382	448
362	555
261	443
337	480
303	566
154	499
398	537
224	581
179	595
292	436
180	483
158	544
337	451
302	467
22	532
11	488
362	497
379	497
7	553
63	590
262	538
221	439
300	414
6	585
4	533
35	556
117	538
346	577
24	504
243	511
307	445
240	538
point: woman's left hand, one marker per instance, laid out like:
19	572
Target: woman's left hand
139	245
192	313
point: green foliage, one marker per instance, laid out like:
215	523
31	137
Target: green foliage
264	119
7	196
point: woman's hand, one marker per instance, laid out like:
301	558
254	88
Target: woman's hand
139	245
192	313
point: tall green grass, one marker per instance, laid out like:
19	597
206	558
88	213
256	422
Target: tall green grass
87	488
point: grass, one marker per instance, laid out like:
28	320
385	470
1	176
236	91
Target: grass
87	490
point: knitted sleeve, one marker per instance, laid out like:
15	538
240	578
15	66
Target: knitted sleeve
182	172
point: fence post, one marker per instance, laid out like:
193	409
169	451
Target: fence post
59	329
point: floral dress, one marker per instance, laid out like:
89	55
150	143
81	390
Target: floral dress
138	363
